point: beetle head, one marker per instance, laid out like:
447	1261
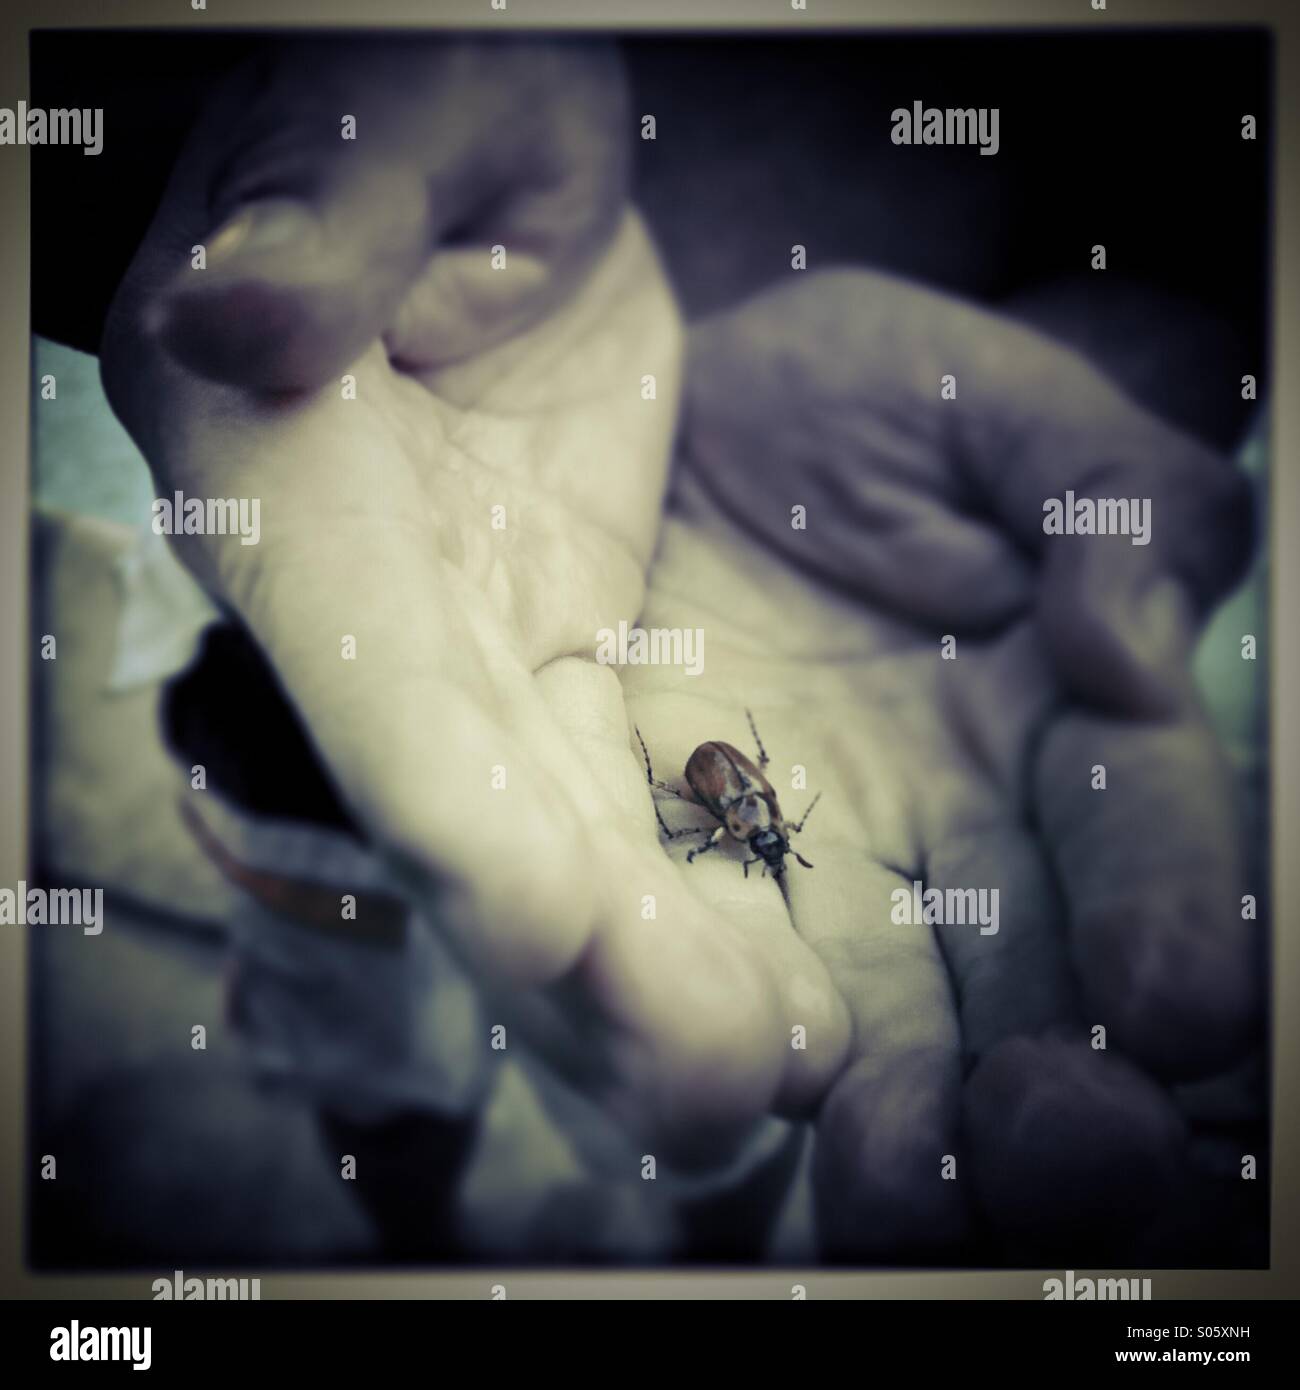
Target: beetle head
771	846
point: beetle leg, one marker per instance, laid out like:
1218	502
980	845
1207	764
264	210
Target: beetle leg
672	834
663	824
715	838
652	779
753	729
798	825
757	859
645	753
688	830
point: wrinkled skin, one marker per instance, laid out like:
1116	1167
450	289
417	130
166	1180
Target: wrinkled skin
473	645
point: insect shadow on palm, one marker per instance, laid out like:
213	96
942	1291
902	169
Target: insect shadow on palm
738	795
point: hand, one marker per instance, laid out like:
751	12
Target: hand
1118	908
475	390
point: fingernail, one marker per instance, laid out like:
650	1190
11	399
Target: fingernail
1159	632
264	226
1162	623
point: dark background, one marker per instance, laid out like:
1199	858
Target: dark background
1131	140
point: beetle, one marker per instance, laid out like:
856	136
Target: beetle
739	797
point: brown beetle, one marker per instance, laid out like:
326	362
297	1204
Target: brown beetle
737	795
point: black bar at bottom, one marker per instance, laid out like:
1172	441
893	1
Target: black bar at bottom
338	1339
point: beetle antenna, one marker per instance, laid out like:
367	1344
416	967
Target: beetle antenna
798	826
753	729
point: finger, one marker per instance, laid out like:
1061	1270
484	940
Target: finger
812	1022
450	766
1066	1141
801	397
684	1004
1138	821
1000	926
1117	611
544	209
856	363
309	240
317	232
887	1134
1119	622
457	776
293	291
1072	1150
